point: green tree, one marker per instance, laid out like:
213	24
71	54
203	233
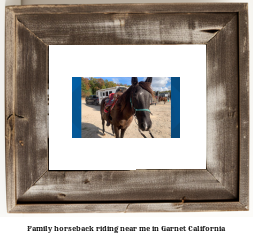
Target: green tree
101	83
94	85
91	85
106	83
109	84
85	87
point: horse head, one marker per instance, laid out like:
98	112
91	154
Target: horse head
140	100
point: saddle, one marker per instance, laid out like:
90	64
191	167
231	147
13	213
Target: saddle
111	101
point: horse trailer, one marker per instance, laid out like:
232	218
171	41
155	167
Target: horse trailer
104	93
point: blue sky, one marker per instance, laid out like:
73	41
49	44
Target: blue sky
158	83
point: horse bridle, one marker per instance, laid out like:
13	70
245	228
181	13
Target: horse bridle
140	110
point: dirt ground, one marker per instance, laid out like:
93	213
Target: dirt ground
92	123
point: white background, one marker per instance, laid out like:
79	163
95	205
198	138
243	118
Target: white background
239	224
185	61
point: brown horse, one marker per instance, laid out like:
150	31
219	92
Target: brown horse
163	99
135	100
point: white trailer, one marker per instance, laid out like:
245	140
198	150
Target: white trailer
104	93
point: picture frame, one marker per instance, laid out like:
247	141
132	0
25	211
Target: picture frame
222	186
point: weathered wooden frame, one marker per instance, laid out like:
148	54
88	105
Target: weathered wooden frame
222	186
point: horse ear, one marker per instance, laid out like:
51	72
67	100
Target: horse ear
149	79
134	81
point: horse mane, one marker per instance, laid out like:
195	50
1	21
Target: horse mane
147	87
125	97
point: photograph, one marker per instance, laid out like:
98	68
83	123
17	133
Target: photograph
126	107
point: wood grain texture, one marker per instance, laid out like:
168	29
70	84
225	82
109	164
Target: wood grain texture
244	106
222	107
129	207
186	207
30	109
122	29
140	185
155	8
9	108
